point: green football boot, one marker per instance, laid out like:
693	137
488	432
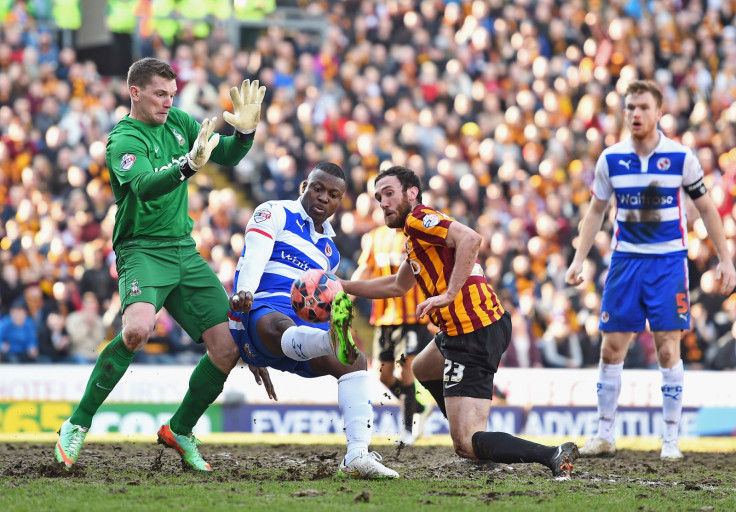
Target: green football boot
69	444
341	318
185	445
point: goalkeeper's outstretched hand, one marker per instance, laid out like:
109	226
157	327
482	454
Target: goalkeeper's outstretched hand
246	106
203	146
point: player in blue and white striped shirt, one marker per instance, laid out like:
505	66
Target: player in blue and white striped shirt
284	239
649	176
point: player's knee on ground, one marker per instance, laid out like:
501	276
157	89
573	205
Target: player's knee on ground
464	447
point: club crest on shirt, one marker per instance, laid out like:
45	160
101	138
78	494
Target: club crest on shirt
262	215
178	137
126	163
328	250
134	289
663	164
430	220
416	268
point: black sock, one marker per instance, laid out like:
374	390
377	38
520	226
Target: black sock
435	389
502	447
410	405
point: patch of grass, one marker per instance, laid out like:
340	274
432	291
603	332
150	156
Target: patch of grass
202	492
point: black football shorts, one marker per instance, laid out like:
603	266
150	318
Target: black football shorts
471	360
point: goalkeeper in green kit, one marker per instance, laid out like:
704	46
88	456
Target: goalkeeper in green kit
151	153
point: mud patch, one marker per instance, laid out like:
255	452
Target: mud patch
260	462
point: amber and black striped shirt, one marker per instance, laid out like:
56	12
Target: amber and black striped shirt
476	305
384	249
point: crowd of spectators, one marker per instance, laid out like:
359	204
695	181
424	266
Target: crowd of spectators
501	107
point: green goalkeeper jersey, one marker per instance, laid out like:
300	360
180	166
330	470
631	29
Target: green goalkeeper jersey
143	160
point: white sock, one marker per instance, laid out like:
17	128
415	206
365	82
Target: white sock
302	343
672	380
353	397
609	388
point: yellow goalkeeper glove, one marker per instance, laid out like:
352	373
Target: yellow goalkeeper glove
203	146
246	106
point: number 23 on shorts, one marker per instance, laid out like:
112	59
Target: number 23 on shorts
453	373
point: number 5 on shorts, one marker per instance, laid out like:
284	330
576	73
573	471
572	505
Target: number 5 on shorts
682	305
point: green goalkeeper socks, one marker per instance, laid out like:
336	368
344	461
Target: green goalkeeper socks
109	369
205	385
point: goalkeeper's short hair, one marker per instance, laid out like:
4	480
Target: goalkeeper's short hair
142	71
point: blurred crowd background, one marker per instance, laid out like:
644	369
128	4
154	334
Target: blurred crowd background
502	108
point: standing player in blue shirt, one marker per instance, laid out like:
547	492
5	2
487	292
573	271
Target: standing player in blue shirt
649	175
283	239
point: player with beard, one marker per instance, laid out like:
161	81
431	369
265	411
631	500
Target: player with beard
458	368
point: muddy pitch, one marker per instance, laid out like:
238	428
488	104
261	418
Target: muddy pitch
98	461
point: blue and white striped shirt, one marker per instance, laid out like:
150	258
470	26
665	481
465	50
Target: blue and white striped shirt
297	247
650	215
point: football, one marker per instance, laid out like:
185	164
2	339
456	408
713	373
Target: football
312	294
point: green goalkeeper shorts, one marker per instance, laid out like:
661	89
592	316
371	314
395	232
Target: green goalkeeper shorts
172	274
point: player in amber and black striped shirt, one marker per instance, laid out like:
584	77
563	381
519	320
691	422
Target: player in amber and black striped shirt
475	330
399	335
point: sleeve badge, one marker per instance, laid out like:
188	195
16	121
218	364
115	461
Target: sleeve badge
262	215
430	221
126	163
